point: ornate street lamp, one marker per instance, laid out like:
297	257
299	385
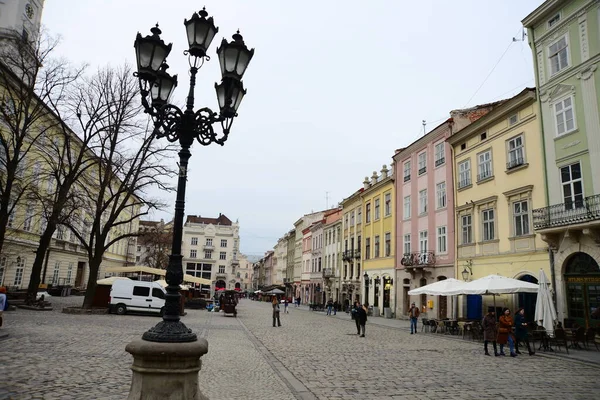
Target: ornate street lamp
366	278
186	126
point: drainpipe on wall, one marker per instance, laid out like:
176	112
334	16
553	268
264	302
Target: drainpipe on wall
546	192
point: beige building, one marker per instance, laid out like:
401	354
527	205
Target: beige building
210	250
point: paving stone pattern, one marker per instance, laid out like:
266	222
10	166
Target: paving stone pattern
50	355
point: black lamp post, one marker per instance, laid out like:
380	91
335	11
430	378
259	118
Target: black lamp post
366	278
185	126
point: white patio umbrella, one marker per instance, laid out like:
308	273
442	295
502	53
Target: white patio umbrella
439	288
496	284
275	291
545	313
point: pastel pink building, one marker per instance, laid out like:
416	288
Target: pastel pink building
425	244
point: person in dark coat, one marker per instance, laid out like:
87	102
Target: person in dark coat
361	316
276	311
521	333
490	330
355	316
505	335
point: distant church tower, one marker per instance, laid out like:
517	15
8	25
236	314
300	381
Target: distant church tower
21	18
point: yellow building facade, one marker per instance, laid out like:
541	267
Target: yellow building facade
378	231
351	243
498	181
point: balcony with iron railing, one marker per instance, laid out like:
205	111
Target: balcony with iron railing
209	247
464	183
357	254
440	161
347	255
406	178
328	273
514	163
569	213
418	259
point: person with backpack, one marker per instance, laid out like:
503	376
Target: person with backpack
413	313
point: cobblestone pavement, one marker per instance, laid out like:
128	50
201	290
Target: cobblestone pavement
50	355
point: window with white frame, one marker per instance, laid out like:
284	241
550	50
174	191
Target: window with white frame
60	233
367	248
440	154
513	119
407	243
377	209
28	217
368	213
346	219
516	152
484	165
423	241
564	116
56	273
208	254
221	269
20	269
440	190
422	201
351	218
388	244
194	241
572	185
209	242
442	239
359	215
554	20
406	207
193	253
488	220
558	53
466	229
70	273
222	255
422	163
223	242
407	171
521	217
388	204
376	247
464	173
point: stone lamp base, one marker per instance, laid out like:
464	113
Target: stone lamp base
166	371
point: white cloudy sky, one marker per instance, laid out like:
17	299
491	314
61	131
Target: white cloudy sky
333	89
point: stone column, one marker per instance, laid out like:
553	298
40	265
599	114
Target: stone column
166	371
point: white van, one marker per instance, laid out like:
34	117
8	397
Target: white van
128	295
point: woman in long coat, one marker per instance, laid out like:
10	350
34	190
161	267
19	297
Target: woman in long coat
490	330
505	335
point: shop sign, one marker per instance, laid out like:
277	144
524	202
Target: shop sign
583	279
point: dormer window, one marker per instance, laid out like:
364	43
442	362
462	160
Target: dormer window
554	20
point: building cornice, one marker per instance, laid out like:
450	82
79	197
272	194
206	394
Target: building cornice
539	13
522	99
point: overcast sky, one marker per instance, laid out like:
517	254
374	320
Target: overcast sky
333	88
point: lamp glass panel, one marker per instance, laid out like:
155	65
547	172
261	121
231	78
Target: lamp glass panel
201	29
210	35
155	91
242	63
190	33
145	53
160	53
238	95
231	57
220	95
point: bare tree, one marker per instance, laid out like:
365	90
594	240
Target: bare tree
30	81
157	243
131	163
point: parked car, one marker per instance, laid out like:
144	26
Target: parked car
139	296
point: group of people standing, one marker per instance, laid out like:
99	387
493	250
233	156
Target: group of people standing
359	313
501	332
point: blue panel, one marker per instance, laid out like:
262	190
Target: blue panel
474	304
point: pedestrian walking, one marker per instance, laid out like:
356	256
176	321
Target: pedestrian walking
2	303
336	305
505	335
362	317
521	333
490	330
413	313
329	306
285	306
276	312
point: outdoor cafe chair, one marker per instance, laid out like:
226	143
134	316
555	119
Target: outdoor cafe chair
560	338
578	337
590	336
424	325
